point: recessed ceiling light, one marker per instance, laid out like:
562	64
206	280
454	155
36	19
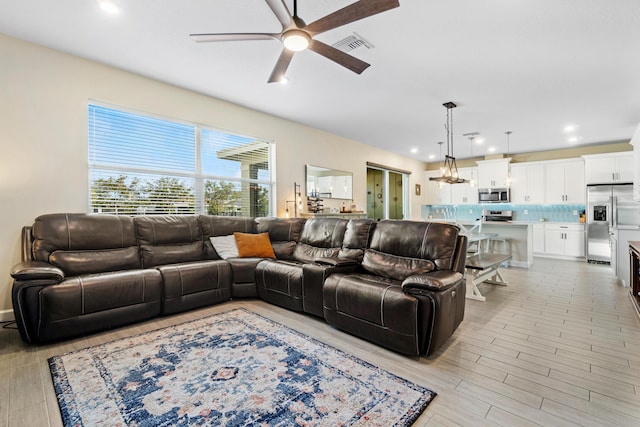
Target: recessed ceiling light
414	150
491	149
570	128
479	141
574	139
432	156
109	6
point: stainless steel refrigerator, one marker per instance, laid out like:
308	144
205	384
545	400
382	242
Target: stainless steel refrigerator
609	208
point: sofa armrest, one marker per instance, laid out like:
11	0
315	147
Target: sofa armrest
435	281
336	262
37	271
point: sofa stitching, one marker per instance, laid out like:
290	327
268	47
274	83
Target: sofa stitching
82	309
366	243
122	233
66	217
181	281
144	282
333	234
39	314
424	241
384	295
431	320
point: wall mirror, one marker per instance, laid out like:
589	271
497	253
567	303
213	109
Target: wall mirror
329	183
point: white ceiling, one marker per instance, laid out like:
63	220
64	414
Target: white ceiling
528	66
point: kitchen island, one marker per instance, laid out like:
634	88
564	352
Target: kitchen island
518	233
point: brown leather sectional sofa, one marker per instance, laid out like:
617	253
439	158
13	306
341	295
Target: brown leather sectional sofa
396	283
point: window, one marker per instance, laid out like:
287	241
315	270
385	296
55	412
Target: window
146	165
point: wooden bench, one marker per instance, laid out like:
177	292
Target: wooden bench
483	268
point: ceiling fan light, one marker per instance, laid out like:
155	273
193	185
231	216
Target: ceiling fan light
296	40
109	6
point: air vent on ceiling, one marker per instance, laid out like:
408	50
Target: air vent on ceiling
352	42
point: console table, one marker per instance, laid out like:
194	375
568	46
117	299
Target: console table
634	260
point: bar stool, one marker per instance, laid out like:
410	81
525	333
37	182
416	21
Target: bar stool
500	245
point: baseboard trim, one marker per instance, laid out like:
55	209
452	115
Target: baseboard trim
6	316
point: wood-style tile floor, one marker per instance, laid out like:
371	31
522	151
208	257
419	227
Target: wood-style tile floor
559	346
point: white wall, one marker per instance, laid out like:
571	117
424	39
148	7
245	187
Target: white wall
43	138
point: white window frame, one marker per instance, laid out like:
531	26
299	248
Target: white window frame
197	175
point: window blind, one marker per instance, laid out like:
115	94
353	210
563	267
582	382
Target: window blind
146	165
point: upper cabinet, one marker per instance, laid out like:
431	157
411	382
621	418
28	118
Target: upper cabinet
493	173
465	194
527	183
610	168
565	182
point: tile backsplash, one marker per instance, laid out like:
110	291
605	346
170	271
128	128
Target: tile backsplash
535	213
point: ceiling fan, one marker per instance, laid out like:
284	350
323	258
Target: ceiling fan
296	35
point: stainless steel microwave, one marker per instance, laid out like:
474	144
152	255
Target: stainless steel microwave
494	195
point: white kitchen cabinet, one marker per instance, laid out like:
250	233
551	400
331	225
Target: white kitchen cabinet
565	182
538	238
636	171
622	267
465	194
493	173
609	168
564	240
527	183
437	193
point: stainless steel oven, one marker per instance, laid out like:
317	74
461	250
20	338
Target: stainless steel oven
494	195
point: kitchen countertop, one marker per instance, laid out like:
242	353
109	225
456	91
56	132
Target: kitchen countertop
466	222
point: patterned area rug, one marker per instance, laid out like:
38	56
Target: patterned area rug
232	369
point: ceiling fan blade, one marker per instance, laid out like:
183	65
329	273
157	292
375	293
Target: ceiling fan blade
280	69
353	12
230	37
280	10
339	57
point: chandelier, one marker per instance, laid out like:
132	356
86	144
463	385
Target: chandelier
449	170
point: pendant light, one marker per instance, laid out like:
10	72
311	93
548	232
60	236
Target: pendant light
472	181
449	170
440	181
507	181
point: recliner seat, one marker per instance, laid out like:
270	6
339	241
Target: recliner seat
405	288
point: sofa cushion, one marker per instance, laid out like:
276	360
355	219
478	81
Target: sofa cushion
320	238
100	292
399	249
393	266
74	263
284	233
356	238
308	253
169	239
85	243
214	226
225	246
254	245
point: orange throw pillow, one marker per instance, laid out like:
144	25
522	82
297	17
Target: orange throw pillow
254	245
